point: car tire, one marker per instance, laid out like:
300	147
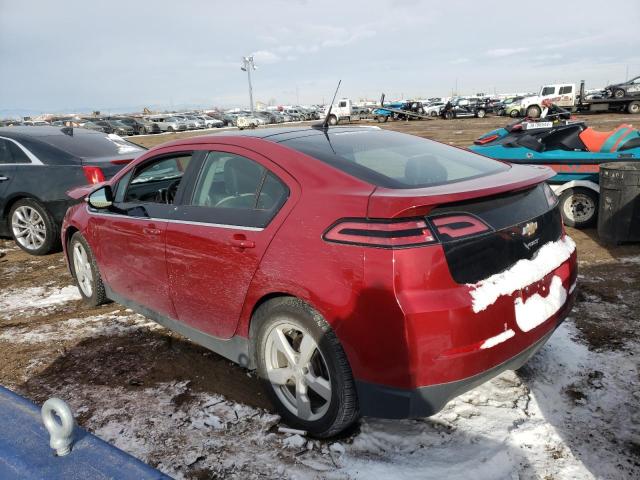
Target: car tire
634	107
481	113
169	129
618	93
290	324
85	271
433	114
514	113
449	115
533	111
27	218
333	120
579	207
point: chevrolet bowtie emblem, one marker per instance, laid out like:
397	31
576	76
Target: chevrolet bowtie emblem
530	229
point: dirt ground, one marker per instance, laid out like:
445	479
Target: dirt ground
51	344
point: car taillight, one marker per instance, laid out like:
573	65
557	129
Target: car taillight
550	195
381	233
453	227
93	174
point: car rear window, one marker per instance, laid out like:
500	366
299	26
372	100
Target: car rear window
394	160
93	145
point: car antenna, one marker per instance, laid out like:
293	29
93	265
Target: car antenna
325	124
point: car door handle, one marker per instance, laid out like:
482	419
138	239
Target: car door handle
3	178
151	231
240	241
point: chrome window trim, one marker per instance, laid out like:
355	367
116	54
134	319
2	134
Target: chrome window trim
183	222
34	160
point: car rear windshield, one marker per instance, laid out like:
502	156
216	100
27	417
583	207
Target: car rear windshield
394	160
87	145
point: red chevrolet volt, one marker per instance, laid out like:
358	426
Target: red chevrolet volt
360	271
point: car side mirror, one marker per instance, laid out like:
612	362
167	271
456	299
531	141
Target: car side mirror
101	198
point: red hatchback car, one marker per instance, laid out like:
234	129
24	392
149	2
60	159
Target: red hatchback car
360	271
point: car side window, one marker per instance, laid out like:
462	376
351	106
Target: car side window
566	89
158	180
11	153
238	191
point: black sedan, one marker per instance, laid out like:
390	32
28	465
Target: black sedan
38	165
624	89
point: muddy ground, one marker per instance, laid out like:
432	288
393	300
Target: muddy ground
139	385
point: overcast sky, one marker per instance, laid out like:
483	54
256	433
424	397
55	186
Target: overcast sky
122	55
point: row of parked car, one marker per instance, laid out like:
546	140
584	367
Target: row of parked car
174	122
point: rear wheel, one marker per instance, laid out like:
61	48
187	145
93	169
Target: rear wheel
448	115
304	368
634	107
481	113
85	271
579	207
533	111
33	228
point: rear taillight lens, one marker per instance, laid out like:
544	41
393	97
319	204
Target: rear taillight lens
550	195
384	234
453	227
93	174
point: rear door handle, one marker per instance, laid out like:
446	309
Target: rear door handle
151	231
3	178
240	241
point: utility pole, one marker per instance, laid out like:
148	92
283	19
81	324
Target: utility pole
247	66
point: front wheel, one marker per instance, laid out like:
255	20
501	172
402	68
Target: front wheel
481	113
33	228
618	93
85	271
579	207
514	113
533	111
333	120
304	369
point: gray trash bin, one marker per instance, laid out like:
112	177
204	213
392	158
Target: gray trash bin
619	211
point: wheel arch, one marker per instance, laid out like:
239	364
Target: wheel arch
558	189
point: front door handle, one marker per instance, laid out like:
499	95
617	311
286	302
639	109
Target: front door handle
241	242
3	178
151	231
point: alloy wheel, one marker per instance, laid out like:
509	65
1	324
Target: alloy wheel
29	228
82	269
297	371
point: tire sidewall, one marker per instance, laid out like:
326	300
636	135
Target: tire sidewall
97	291
296	311
52	240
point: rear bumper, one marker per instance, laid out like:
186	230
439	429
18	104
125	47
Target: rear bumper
381	401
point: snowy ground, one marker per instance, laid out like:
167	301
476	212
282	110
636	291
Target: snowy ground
573	412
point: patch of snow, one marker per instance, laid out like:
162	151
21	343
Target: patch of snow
498	339
78	328
537	309
16	302
522	274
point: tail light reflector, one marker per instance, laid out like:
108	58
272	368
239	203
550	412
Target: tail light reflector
93	174
452	227
385	234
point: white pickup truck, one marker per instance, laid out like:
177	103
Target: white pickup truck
343	111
